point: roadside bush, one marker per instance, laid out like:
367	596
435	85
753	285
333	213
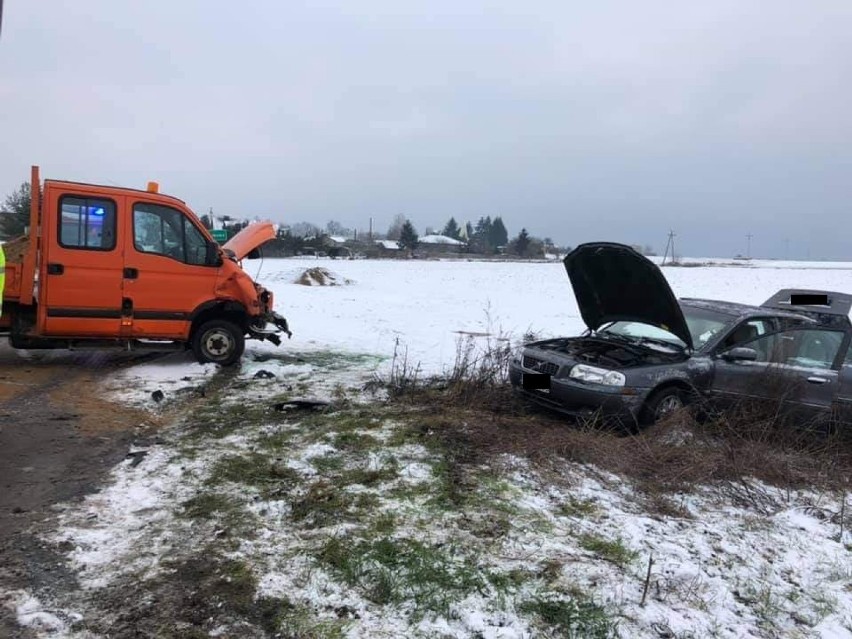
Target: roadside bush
472	411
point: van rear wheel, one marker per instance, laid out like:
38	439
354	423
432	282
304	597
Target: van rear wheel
218	342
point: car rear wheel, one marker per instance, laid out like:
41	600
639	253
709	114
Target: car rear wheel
661	404
218	342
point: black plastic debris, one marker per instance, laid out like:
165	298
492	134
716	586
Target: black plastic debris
264	374
157	396
302	404
136	457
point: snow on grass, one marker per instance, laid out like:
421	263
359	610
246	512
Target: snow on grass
31	613
106	531
526	552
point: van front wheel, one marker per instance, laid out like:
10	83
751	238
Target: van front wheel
218	342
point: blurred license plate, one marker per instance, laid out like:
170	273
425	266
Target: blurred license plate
536	381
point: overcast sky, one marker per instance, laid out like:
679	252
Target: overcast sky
578	120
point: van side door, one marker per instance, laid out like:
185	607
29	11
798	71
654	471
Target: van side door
166	271
80	270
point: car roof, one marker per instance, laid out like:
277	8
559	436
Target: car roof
735	309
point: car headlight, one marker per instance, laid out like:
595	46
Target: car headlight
594	375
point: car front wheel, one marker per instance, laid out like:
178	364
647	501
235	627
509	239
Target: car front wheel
218	342
662	404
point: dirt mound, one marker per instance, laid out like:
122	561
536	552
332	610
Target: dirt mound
321	277
16	248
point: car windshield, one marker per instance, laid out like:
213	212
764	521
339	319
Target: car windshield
703	326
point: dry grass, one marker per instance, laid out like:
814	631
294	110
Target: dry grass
474	413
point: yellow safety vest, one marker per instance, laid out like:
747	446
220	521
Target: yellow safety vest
2	277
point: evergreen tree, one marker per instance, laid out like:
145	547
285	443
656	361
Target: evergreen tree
207	221
483	228
408	236
15	217
499	235
521	243
469	229
452	229
395	228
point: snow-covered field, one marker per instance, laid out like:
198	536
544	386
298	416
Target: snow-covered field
721	569
429	305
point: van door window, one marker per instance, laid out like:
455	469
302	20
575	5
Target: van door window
86	223
166	231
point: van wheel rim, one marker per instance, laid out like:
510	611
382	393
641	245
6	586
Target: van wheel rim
218	343
669	405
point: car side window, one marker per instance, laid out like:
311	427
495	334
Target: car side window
807	347
166	231
747	331
847	361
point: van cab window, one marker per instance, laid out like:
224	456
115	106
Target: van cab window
86	223
166	231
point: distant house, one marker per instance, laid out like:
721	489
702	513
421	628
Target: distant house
388	245
437	245
440	239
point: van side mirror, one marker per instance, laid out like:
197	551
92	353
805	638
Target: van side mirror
740	354
214	256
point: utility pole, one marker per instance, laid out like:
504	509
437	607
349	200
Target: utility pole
748	251
670	244
371	229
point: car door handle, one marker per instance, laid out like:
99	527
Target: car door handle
55	269
131	273
818	380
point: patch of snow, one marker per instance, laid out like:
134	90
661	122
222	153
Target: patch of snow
32	614
440	239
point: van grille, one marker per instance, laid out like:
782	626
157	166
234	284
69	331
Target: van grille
536	364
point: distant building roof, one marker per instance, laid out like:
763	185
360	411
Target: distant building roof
440	239
338	239
389	244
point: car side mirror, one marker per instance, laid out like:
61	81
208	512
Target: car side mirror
214	257
740	354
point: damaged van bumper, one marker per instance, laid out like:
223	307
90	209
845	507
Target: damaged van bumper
260	328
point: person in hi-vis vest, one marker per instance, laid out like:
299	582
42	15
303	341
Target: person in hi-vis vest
2	277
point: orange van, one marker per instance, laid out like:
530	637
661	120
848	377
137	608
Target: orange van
108	266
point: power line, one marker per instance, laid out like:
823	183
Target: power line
670	244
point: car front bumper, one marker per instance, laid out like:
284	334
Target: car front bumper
582	400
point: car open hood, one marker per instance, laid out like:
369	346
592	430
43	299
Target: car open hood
613	282
250	238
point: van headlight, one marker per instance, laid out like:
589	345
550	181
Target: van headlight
595	375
